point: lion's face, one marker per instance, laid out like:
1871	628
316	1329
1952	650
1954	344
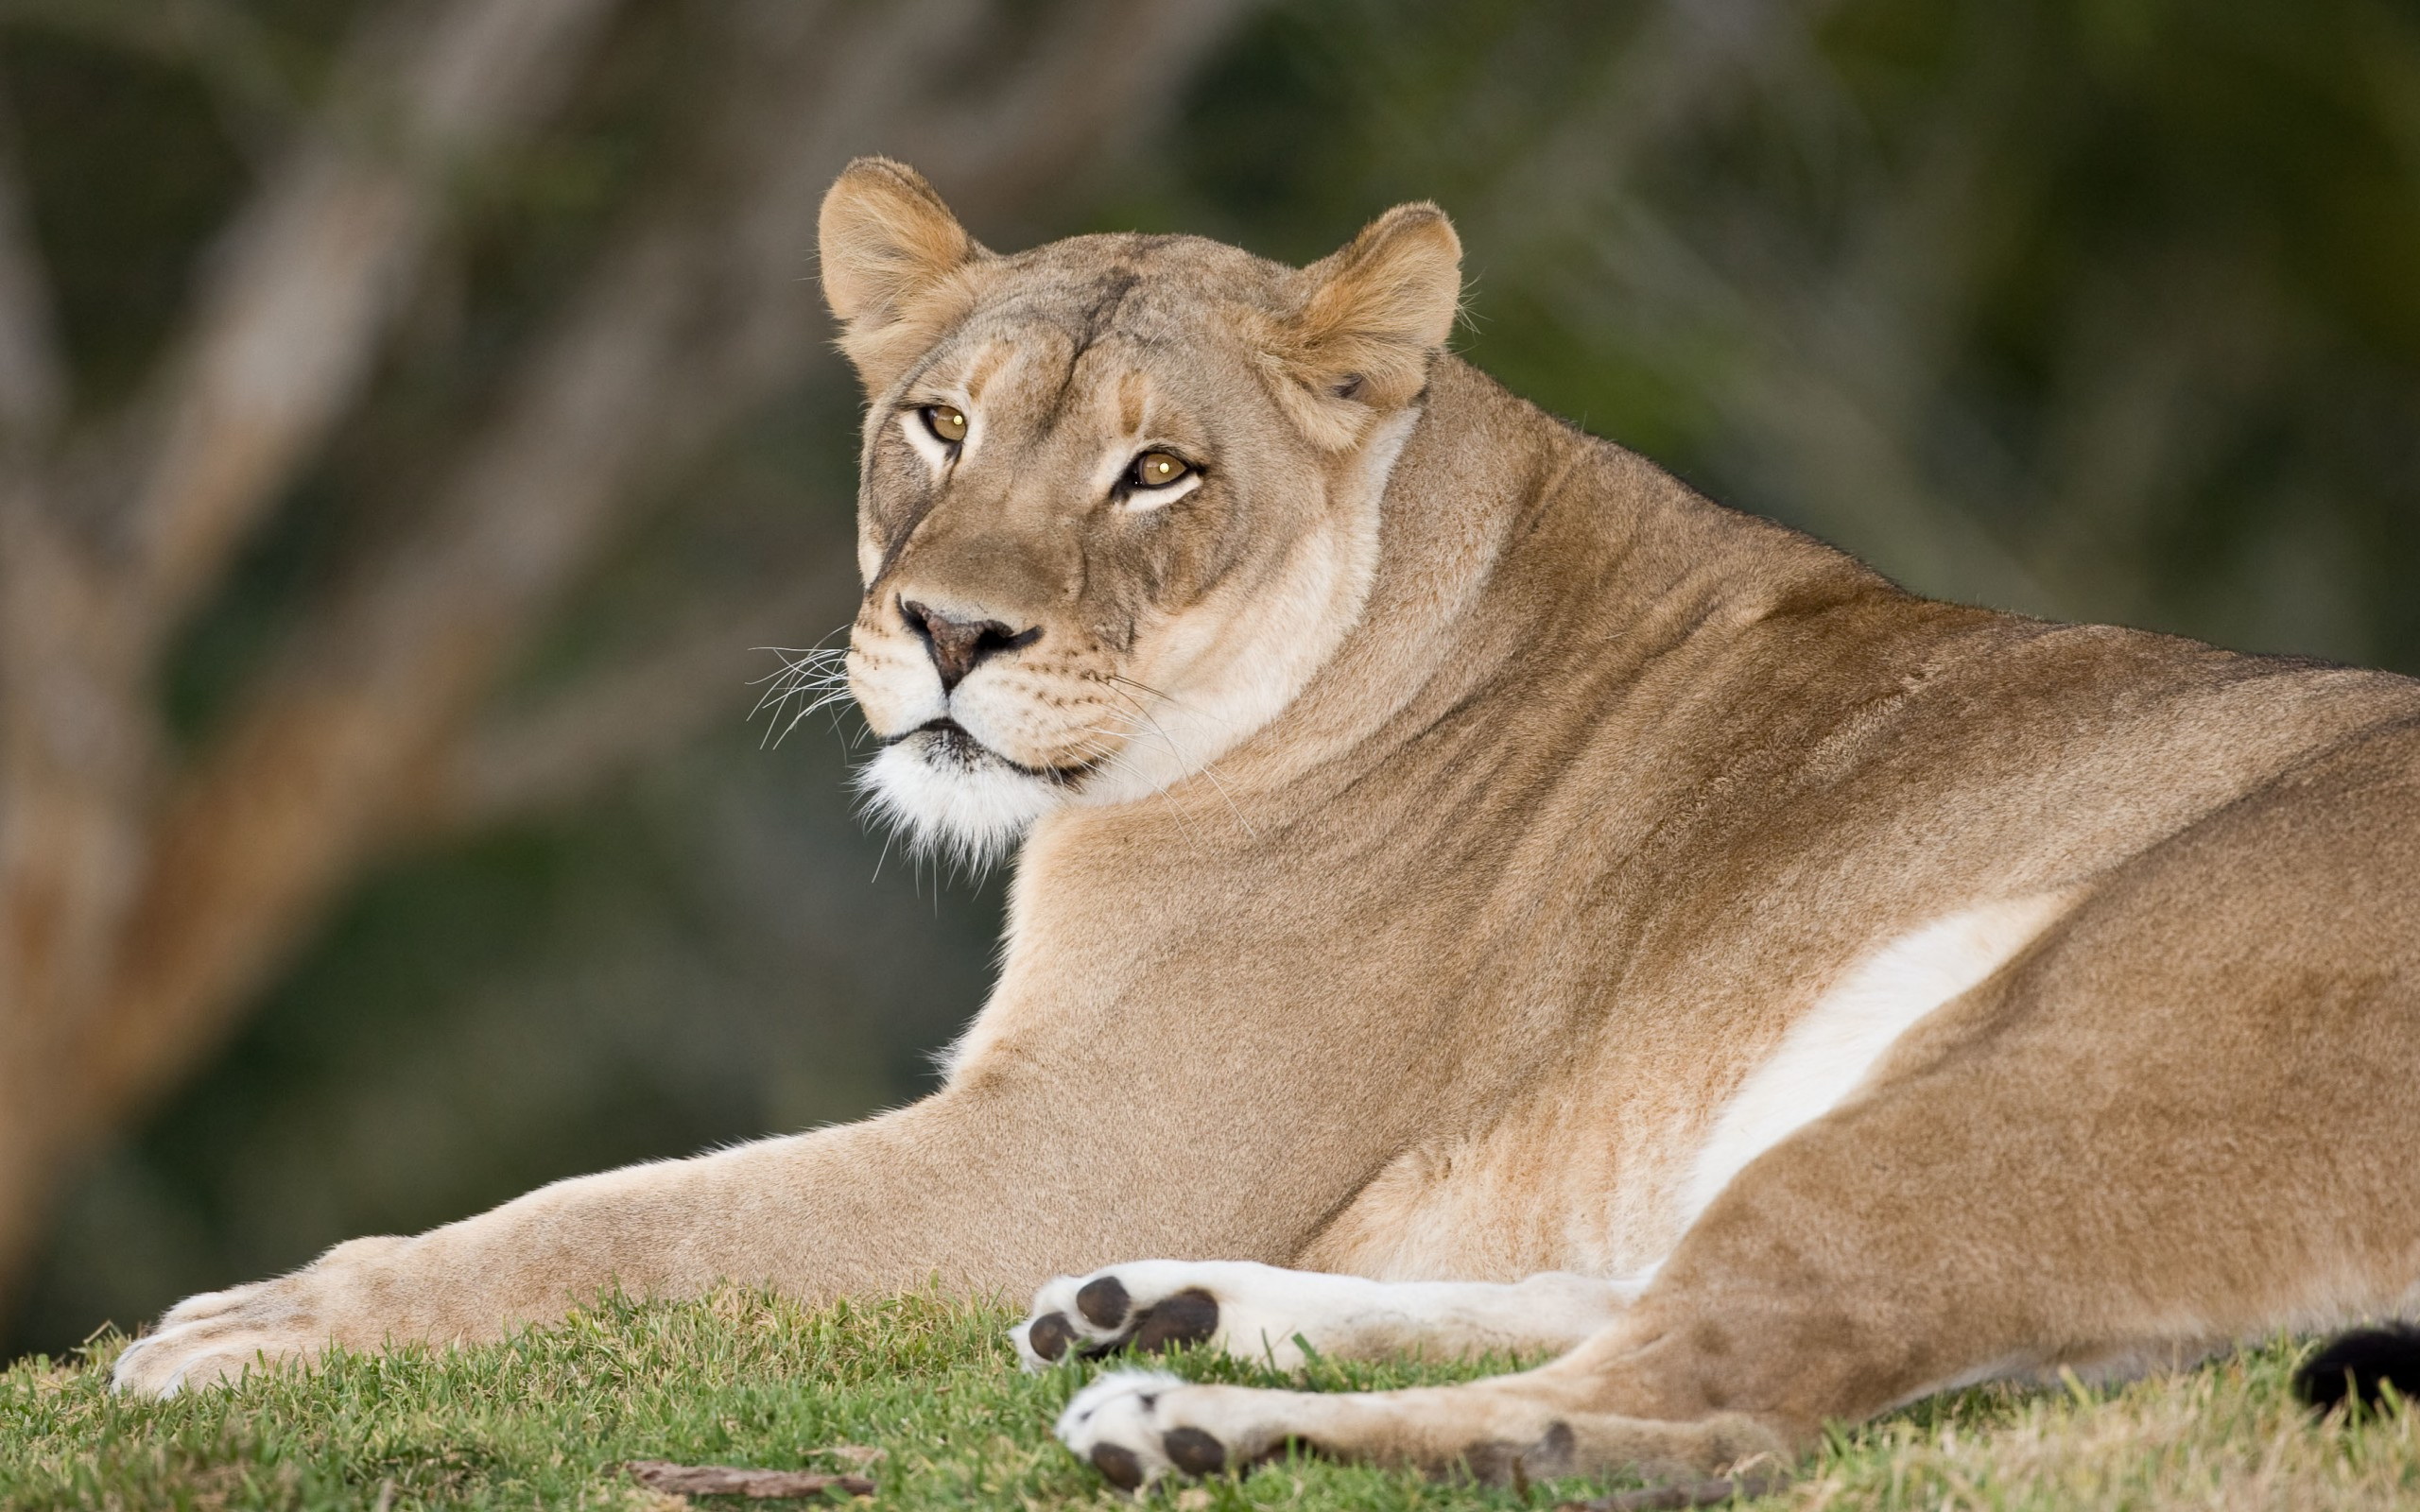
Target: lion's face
1118	495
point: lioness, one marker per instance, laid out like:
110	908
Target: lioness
1539	907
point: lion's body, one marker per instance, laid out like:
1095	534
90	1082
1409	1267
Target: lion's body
1509	862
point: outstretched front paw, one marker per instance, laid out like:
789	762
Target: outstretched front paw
216	1336
1256	1311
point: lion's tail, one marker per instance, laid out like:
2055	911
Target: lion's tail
2358	1365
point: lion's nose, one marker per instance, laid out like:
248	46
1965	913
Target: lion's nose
958	647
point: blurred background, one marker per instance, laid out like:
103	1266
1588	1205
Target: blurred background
414	412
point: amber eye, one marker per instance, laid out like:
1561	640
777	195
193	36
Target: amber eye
1157	470
947	421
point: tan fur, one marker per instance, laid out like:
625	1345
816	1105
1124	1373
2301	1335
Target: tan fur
1427	851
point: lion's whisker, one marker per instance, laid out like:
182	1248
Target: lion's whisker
1205	769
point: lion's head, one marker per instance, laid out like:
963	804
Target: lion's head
1120	493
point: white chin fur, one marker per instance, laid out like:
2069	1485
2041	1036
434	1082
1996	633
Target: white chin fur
972	809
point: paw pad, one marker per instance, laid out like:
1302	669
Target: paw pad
1103	1302
1194	1451
1187	1317
1050	1335
1118	1465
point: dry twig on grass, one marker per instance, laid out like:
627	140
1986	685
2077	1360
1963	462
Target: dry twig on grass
733	1480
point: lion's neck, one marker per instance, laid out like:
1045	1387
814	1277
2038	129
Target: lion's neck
1514	550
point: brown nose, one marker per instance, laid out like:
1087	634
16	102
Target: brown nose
958	647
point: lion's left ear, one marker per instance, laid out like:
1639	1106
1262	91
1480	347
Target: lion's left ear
888	247
1374	316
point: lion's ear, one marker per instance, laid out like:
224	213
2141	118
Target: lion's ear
888	249
1374	316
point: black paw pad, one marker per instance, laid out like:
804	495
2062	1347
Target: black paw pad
1050	1335
1188	1317
1194	1451
1118	1465
2360	1365
1102	1302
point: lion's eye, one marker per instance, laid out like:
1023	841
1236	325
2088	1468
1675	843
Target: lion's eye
1157	470
946	422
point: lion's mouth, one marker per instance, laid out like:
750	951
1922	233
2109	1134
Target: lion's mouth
949	742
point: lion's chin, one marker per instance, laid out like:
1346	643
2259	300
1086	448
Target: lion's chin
951	796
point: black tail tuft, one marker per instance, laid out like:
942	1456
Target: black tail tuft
2356	1363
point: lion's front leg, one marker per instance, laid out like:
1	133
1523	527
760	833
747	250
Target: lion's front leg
864	1210
871	1207
868	1208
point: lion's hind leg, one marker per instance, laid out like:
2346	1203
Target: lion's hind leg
1137	1426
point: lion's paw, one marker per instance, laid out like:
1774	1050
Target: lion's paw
1253	1312
1135	1426
216	1336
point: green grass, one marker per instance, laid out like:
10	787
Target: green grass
544	1420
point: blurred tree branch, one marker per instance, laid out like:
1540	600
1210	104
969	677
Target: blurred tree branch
33	378
559	750
145	898
113	529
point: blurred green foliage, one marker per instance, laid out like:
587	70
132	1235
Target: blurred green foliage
2102	309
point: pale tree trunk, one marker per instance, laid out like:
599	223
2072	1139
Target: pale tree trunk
144	896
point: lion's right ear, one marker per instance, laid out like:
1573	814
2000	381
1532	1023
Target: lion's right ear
1374	316
889	249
